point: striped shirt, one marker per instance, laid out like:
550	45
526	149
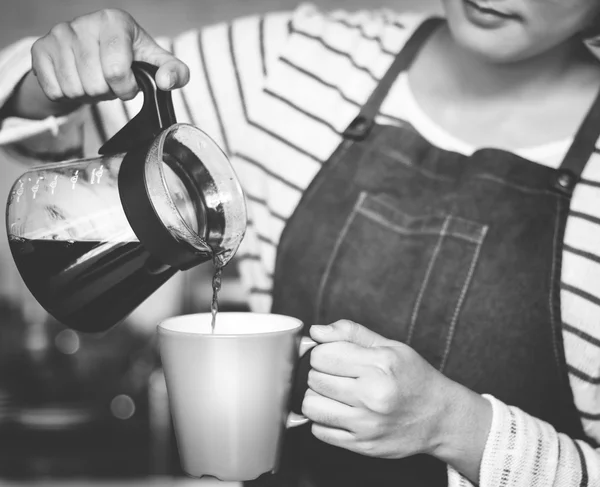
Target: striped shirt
276	92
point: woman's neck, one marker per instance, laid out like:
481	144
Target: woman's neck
474	77
504	105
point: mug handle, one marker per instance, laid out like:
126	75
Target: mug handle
294	419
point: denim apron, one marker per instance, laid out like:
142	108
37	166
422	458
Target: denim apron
457	256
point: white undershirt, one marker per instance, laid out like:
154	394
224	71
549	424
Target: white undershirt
550	154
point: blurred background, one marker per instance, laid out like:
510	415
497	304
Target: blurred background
94	407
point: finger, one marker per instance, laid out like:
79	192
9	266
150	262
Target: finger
327	412
341	389
333	436
89	67
116	56
67	75
43	69
172	72
346	330
342	359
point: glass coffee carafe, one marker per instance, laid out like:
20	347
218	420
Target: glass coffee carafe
93	238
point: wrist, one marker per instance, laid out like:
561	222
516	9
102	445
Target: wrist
462	429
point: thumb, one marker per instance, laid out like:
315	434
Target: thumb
348	331
172	72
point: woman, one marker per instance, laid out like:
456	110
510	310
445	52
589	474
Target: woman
427	191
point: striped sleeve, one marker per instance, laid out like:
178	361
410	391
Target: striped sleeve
209	101
580	296
52	134
523	451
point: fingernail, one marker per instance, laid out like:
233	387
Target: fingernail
323	328
171	79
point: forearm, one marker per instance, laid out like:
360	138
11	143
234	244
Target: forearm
522	451
29	101
20	93
42	134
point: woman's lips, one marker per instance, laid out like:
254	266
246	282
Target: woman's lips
483	14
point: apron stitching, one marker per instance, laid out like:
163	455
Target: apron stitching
405	215
404	231
335	251
391	207
372	215
464	220
436	252
336	157
476	241
398	156
396	210
461	299
553	279
524	189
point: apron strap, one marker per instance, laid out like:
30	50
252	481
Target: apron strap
362	124
580	151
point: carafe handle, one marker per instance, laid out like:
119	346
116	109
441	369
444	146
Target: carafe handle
157	113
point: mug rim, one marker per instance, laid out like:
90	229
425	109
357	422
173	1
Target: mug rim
165	331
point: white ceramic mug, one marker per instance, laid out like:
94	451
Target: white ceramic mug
229	391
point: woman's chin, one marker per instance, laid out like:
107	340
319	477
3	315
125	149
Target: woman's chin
496	42
499	46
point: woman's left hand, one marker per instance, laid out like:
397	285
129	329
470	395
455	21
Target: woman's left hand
380	398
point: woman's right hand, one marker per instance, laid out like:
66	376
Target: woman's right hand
89	60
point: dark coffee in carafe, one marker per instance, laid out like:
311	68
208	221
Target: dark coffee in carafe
86	284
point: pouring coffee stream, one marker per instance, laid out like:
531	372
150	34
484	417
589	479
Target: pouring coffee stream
94	238
216	287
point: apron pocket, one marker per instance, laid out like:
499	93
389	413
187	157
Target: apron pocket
403	276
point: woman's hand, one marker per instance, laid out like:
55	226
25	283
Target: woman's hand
379	398
88	60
